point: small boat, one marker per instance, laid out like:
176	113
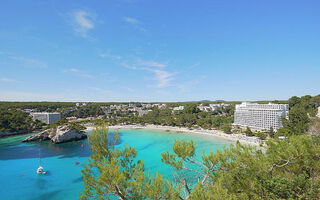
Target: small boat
40	169
76	163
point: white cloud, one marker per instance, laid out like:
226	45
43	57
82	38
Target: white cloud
194	66
151	63
73	70
136	24
131	20
8	80
163	77
83	21
109	55
128	66
29	62
78	73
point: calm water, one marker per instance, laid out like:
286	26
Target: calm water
19	161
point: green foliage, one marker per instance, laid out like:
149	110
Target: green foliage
226	128
191	116
191	108
40	106
77	126
248	132
90	110
12	120
271	132
57	123
301	109
62	122
288	169
113	172
260	135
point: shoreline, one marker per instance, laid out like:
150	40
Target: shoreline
243	139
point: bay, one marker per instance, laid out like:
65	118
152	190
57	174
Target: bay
19	161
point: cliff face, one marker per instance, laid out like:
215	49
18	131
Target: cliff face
61	134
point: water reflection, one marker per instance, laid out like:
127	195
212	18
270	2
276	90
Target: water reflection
48	195
78	180
41	183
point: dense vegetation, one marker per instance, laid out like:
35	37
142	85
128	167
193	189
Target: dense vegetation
16	121
301	115
90	110
72	125
288	169
191	116
285	169
40	106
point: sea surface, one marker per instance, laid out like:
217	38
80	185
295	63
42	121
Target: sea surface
19	162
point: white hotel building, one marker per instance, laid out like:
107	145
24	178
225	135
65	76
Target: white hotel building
260	116
46	117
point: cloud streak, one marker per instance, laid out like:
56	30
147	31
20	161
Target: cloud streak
8	80
162	76
135	23
83	22
151	63
109	55
131	20
78	73
26	62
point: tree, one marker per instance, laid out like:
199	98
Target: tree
115	172
271	132
248	132
191	108
288	169
12	120
226	128
260	135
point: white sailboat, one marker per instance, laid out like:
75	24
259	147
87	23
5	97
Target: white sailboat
40	169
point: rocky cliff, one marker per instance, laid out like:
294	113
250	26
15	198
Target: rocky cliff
60	134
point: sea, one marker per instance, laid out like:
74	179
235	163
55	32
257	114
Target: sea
63	162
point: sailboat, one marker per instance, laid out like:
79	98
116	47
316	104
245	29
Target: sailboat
40	169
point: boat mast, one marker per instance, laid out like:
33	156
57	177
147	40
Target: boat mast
39	158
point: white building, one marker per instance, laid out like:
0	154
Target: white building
143	112
46	117
318	115
260	116
204	108
215	106
179	108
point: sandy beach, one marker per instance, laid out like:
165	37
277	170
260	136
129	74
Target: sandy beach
243	139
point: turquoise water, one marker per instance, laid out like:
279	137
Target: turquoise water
19	161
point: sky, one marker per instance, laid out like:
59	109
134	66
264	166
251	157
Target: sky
168	50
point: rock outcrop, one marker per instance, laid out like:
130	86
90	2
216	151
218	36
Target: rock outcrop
60	134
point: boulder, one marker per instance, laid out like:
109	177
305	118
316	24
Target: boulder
60	134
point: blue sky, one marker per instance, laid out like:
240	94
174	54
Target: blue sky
143	50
